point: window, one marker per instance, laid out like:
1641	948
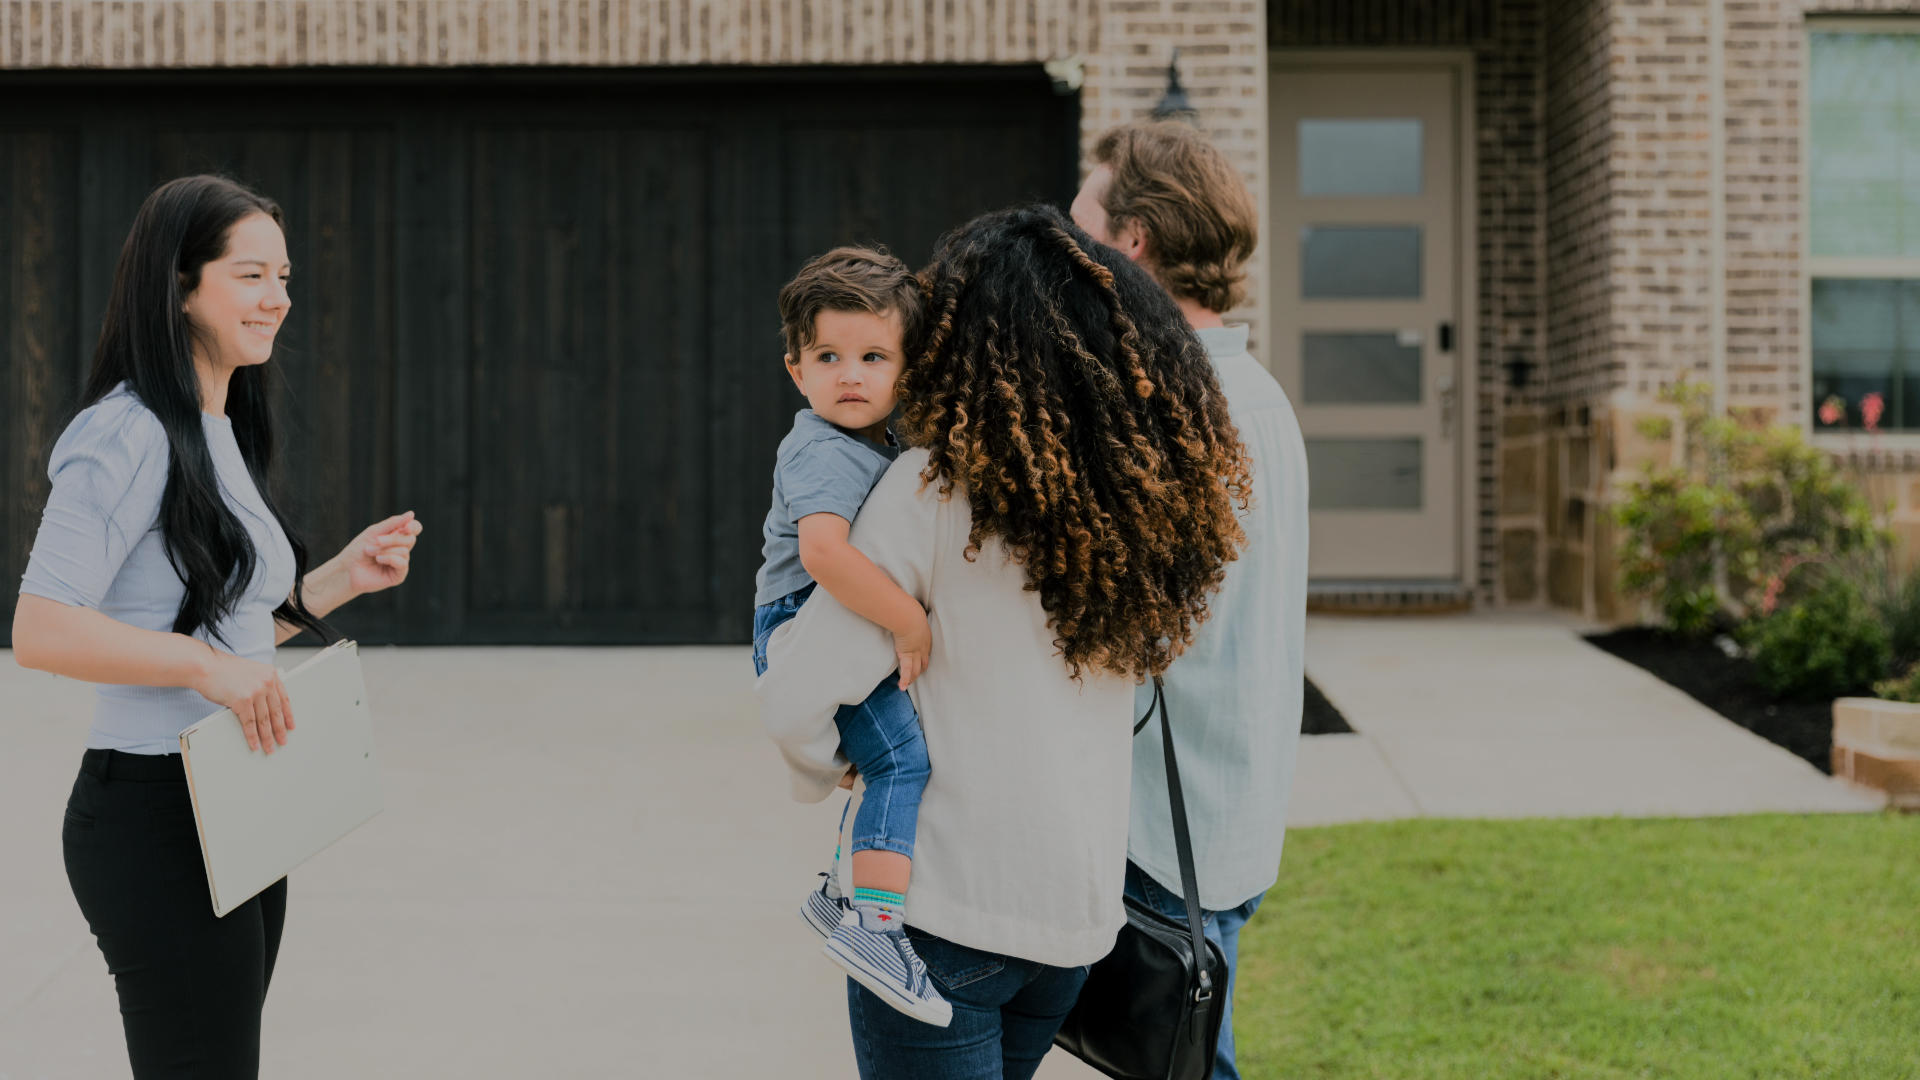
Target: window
1863	172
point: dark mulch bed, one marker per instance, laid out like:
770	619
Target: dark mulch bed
1321	717
1726	685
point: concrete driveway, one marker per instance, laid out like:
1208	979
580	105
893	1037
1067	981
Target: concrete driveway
588	865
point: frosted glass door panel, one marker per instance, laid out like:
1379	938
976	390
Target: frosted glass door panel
1354	157
1360	369
1364	474
1360	262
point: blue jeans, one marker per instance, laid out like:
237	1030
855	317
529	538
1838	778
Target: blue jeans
881	736
1220	927
1005	1013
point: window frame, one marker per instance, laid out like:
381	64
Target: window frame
1840	266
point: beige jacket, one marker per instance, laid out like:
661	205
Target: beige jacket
1023	828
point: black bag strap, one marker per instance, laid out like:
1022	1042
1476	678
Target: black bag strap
1182	842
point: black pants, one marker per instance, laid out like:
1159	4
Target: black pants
191	986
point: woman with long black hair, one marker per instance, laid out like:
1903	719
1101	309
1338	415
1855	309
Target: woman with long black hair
164	572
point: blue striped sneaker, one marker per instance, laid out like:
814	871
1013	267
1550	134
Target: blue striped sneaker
824	906
885	963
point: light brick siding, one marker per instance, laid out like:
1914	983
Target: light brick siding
1765	44
1661	245
1658	245
1504	38
1224	68
1662	57
405	33
1636	241
1580	361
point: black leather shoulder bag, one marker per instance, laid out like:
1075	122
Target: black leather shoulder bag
1151	1009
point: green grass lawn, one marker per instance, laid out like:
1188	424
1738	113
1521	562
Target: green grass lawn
1754	947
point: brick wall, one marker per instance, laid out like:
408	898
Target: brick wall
1514	268
1579	177
1661	240
381	33
1547	474
1765	54
1637	240
1224	69
1662	87
1504	38
1664	241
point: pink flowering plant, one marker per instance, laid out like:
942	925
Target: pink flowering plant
1833	411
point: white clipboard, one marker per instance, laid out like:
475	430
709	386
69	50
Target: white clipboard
260	815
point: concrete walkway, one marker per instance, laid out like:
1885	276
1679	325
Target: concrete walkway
1516	716
561	825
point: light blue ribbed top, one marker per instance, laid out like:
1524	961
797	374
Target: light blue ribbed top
99	547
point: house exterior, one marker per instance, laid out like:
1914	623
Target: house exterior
1495	229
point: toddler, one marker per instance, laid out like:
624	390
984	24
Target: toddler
847	318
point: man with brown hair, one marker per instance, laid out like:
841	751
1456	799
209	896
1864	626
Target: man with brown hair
1165	197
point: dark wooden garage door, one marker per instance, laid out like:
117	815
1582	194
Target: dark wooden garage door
537	309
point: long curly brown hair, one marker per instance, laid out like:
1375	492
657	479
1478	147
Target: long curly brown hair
1060	388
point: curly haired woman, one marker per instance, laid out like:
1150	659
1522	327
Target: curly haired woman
1069	503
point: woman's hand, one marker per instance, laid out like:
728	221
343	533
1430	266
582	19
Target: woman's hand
377	559
912	650
852	774
255	694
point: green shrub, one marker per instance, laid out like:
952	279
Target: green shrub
1828	643
1896	595
1708	540
1893	592
1905	688
1677	531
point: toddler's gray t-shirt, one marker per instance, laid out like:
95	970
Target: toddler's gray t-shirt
819	469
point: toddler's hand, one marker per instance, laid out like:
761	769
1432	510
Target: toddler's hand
912	649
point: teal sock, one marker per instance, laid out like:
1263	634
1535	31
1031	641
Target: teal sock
880	910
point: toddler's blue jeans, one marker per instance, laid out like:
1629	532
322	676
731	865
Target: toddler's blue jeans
881	736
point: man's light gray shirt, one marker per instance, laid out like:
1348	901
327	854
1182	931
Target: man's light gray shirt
1234	697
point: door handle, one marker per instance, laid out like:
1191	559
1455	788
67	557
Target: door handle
1444	386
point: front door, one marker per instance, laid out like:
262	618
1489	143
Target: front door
1364	220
